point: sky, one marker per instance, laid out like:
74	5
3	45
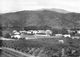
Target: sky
19	5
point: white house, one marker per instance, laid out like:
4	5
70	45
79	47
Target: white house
75	37
23	31
61	41
35	31
60	35
78	31
67	35
41	31
16	32
29	32
16	36
48	32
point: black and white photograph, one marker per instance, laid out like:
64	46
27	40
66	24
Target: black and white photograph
39	28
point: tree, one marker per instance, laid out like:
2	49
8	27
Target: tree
30	28
64	31
0	30
0	46
7	35
44	27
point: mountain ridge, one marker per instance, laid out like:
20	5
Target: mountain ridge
41	18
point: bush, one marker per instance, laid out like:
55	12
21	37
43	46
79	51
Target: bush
0	33
0	43
7	35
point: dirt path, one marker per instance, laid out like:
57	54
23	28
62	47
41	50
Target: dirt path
15	51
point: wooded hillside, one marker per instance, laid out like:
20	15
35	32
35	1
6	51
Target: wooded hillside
40	18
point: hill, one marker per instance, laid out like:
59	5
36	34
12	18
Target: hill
52	18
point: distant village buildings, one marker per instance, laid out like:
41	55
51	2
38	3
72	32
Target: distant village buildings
58	35
67	35
16	34
78	31
72	33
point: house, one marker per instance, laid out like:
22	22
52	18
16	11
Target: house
59	35
75	37
43	33
48	32
16	36
29	32
35	31
15	32
67	35
23	31
71	31
61	41
78	31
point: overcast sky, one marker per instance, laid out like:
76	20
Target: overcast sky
17	5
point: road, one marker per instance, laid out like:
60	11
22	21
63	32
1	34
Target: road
2	38
8	52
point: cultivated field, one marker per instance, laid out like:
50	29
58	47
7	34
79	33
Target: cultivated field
44	47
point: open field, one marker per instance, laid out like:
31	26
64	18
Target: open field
47	46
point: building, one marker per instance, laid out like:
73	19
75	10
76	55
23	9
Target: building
78	31
48	32
59	35
15	32
67	35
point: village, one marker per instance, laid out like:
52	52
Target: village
34	34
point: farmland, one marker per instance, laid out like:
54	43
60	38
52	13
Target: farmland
46	47
9	52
